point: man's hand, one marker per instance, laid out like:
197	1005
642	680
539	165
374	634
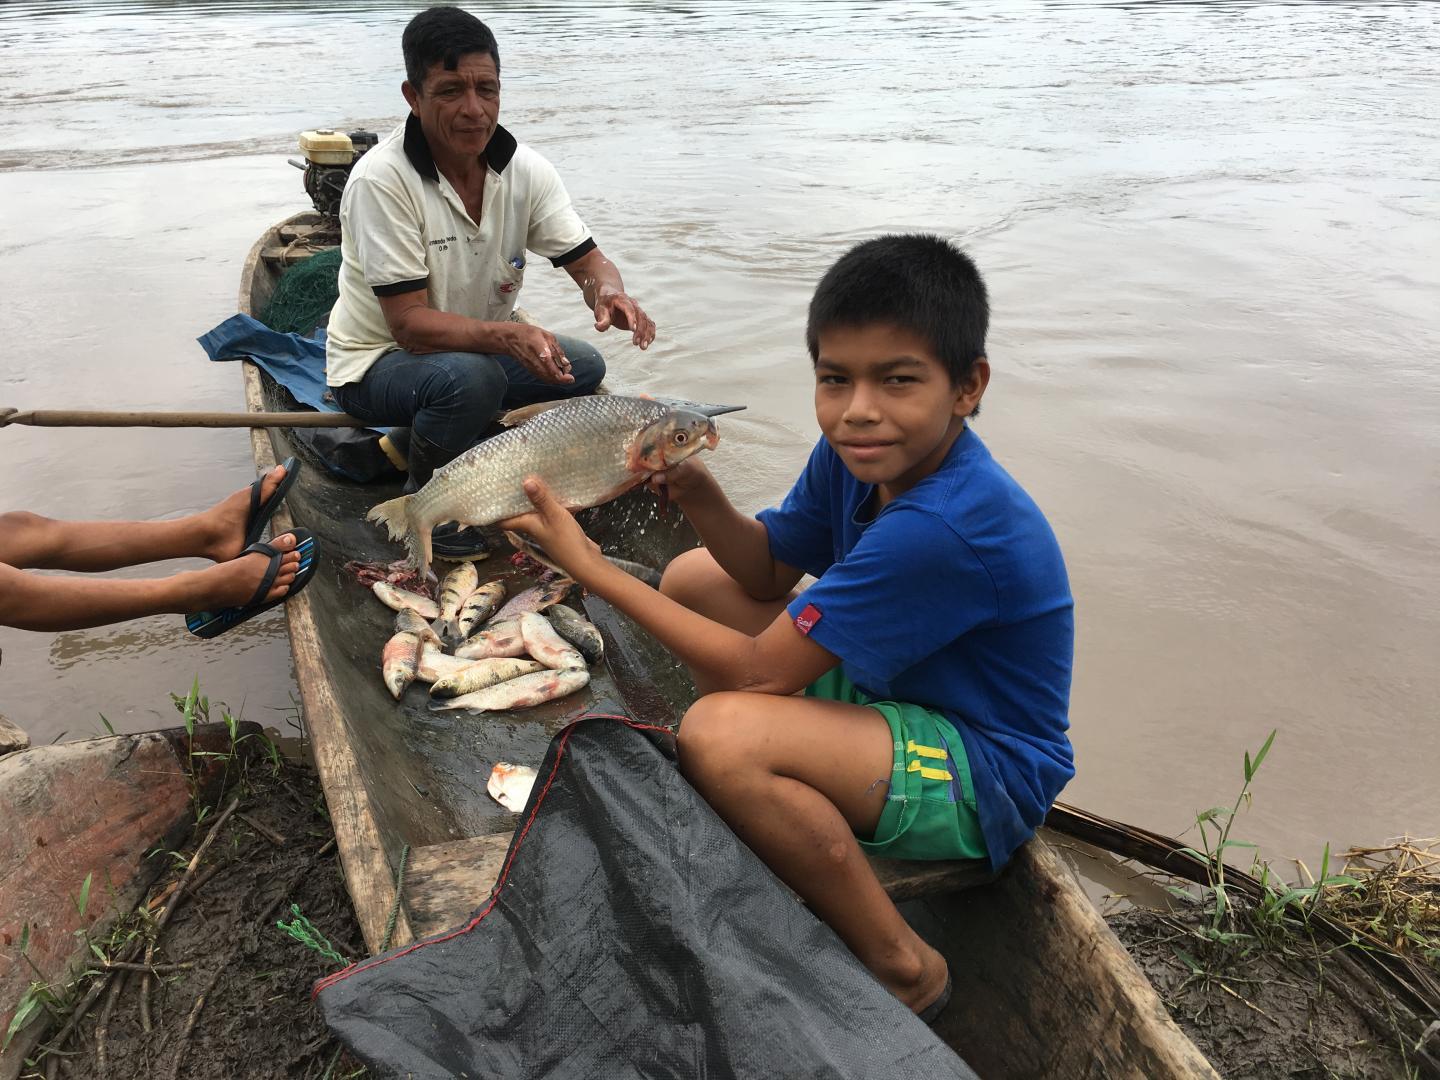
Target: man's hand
539	352
555	529
615	308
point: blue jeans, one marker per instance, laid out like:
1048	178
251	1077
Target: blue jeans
450	398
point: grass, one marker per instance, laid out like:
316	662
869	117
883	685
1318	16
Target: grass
1380	898
195	709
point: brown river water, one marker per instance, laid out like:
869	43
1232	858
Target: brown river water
1215	339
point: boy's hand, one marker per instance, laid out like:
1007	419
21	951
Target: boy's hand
555	529
679	482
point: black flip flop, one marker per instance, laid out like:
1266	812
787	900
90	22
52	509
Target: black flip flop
209	624
932	1012
261	513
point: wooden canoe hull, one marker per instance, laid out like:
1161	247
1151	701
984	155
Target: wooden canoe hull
1042	986
82	821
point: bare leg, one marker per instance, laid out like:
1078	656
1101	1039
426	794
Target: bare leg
796	778
696	580
44	602
29	541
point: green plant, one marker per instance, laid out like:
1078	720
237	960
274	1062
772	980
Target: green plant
1214	826
195	709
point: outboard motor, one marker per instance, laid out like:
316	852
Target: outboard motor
329	157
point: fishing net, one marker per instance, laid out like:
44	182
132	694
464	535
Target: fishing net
305	294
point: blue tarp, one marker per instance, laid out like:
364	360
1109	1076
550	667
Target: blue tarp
298	364
295	362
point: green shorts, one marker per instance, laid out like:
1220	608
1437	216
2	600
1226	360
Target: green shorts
930	809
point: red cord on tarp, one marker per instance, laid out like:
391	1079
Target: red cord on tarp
356	968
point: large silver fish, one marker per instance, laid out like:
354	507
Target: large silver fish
588	451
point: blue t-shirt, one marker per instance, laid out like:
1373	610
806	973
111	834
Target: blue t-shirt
953	597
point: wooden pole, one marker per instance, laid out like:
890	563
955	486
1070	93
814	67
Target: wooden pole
97	418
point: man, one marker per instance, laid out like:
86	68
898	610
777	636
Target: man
436	222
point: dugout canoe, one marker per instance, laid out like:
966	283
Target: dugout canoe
1042	986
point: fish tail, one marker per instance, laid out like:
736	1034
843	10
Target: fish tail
395	516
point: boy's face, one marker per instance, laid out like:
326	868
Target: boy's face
887	406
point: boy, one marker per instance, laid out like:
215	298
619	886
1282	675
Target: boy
934	650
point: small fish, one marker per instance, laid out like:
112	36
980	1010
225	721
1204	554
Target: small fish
398	660
510	785
454	591
526	546
534	599
435	664
578	631
589	450
410	621
546	645
482	604
478	674
497	639
520	693
400	599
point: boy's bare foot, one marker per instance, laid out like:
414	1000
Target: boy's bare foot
223	525
233	582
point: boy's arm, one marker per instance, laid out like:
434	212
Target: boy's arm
780	660
739	544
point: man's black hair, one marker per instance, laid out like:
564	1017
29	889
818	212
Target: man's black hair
443	35
923	284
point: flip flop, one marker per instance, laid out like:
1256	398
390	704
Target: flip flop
261	513
932	1012
209	624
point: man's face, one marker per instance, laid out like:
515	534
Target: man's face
458	109
886	405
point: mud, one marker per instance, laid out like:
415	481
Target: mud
1259	1011
257	1020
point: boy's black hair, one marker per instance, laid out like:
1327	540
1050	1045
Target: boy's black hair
921	283
443	35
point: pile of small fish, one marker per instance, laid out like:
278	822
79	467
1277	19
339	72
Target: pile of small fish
504	654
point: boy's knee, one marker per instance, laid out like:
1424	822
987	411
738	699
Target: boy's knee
16	522
712	731
689	576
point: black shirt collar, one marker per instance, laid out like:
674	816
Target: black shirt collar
498	151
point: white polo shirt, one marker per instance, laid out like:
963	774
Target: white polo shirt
404	227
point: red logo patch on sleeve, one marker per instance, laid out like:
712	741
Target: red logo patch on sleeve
806	620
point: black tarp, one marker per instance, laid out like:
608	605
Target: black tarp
631	935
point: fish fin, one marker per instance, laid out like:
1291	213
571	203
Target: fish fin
395	516
392	514
516	417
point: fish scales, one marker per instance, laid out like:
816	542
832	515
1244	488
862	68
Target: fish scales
585	450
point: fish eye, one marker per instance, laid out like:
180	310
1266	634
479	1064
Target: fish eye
681	438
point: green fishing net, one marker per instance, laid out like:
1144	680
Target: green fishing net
305	294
